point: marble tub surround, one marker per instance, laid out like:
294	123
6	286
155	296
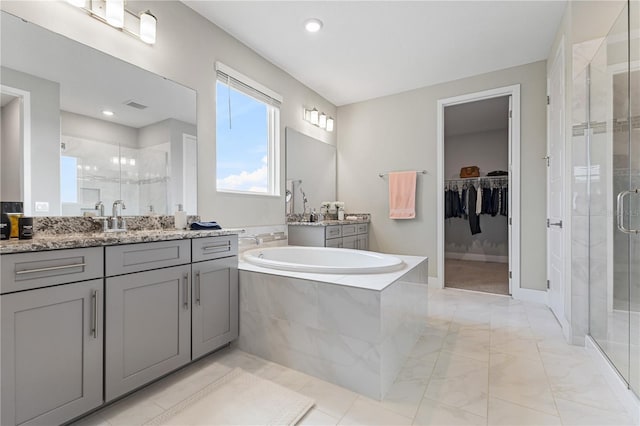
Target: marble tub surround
92	239
57	225
353	331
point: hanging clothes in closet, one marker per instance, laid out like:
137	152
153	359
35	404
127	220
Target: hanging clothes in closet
485	196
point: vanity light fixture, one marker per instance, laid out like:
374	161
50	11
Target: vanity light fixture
115	13
313	25
319	119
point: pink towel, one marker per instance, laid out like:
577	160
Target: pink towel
402	195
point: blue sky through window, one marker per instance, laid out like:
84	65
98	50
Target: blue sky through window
68	179
242	150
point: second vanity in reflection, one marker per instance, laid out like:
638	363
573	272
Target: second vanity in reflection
122	314
352	234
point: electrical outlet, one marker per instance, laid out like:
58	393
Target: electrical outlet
42	206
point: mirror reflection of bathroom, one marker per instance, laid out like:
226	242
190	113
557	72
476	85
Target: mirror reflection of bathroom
11	137
310	171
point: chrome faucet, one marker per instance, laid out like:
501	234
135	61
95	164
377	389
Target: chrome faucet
305	201
114	216
100	206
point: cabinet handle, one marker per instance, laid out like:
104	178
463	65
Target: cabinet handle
198	288
50	268
94	319
185	290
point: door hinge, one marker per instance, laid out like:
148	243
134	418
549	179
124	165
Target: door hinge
510	114
548	284
510	275
510	221
548	100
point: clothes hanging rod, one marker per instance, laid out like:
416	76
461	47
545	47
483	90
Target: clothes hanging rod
477	178
422	172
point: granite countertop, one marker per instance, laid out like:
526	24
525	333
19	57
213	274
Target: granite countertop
78	240
329	222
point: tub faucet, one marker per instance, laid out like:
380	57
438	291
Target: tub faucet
305	201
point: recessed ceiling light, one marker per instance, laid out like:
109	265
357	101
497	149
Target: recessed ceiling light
313	25
107	112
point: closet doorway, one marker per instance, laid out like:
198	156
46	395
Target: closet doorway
477	249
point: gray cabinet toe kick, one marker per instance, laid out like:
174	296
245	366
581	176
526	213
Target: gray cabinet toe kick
83	327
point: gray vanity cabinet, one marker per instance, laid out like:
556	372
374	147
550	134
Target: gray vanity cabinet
214	304
348	235
51	335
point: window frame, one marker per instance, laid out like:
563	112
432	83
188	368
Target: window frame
234	80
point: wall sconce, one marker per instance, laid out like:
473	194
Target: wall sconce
319	119
114	13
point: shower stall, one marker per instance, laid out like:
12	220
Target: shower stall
607	95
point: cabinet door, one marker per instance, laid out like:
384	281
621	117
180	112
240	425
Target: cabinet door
350	242
148	322
363	242
215	304
334	242
51	353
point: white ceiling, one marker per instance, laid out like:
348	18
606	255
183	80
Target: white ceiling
369	49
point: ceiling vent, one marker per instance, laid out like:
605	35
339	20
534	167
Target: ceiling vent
134	104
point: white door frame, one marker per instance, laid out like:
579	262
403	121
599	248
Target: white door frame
514	181
25	166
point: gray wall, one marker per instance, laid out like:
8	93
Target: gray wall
399	133
489	151
10	149
45	135
186	50
82	126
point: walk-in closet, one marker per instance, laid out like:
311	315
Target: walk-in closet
476	195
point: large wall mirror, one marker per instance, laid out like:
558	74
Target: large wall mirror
61	153
311	172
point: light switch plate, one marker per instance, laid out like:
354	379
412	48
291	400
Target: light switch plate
42	206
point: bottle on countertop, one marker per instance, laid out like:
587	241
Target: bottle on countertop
5	227
341	213
180	218
25	228
313	217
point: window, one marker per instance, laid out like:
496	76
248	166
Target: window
247	135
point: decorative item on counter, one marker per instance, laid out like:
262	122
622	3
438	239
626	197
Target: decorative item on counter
25	228
205	226
5	227
13	218
331	207
324	207
340	213
351	218
313	217
181	218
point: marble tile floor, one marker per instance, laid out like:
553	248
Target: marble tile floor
483	360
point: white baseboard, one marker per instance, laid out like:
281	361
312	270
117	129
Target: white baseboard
477	257
536	296
628	399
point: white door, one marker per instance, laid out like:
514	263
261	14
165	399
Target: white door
555	185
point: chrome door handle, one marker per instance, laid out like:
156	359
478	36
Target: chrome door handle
185	291
94	319
620	211
198	287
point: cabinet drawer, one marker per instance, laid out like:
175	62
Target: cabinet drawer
214	247
130	258
348	230
362	228
24	271
334	242
334	231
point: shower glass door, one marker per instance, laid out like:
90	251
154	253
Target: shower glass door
609	174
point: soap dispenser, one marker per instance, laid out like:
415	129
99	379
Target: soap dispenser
180	218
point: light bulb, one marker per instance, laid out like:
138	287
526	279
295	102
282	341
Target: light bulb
313	25
313	117
329	124
322	121
148	27
115	13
